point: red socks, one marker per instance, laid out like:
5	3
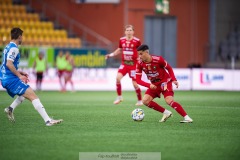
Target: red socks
173	104
156	107
178	108
119	89
139	95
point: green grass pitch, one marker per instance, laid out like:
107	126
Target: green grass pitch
93	124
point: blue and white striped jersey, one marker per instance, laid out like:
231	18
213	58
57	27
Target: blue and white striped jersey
10	52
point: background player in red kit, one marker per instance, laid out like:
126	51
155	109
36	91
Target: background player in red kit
161	75
128	47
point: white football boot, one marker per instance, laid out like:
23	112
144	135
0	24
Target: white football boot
139	103
165	117
187	120
118	100
9	114
53	122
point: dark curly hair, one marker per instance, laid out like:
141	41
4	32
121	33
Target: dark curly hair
15	33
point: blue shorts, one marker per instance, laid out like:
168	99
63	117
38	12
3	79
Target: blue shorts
14	86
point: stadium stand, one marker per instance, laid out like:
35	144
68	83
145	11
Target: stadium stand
230	46
36	32
229	50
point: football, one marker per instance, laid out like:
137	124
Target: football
138	114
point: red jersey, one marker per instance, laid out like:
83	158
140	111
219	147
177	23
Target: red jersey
158	71
129	50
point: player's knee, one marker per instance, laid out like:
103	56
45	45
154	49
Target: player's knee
136	87
30	94
118	80
145	101
21	99
169	100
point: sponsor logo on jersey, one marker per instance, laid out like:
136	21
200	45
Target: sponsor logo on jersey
153	74
128	52
12	57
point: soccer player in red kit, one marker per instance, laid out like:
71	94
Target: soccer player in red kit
161	76
128	47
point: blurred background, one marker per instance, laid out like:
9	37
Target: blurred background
192	35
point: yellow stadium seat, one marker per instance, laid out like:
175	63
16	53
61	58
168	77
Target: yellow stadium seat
7	23
74	42
4	8
5	2
1	22
63	33
70	43
36	32
45	33
32	17
3	31
21	9
5	15
62	42
52	33
11	16
35	17
37	25
25	24
9	8
6	36
48	41
49	25
77	42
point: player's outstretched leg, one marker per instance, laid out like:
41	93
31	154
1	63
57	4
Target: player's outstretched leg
181	111
166	113
30	95
41	110
9	110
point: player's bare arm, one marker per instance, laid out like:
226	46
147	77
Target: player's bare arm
23	73
12	68
116	52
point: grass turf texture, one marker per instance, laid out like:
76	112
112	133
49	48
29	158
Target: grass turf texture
93	124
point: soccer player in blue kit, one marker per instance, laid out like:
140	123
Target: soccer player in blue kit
15	81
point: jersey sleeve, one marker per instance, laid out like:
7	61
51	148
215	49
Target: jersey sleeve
120	44
138	68
139	76
12	54
167	66
138	44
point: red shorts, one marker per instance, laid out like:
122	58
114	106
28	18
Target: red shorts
60	73
157	92
68	74
131	70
